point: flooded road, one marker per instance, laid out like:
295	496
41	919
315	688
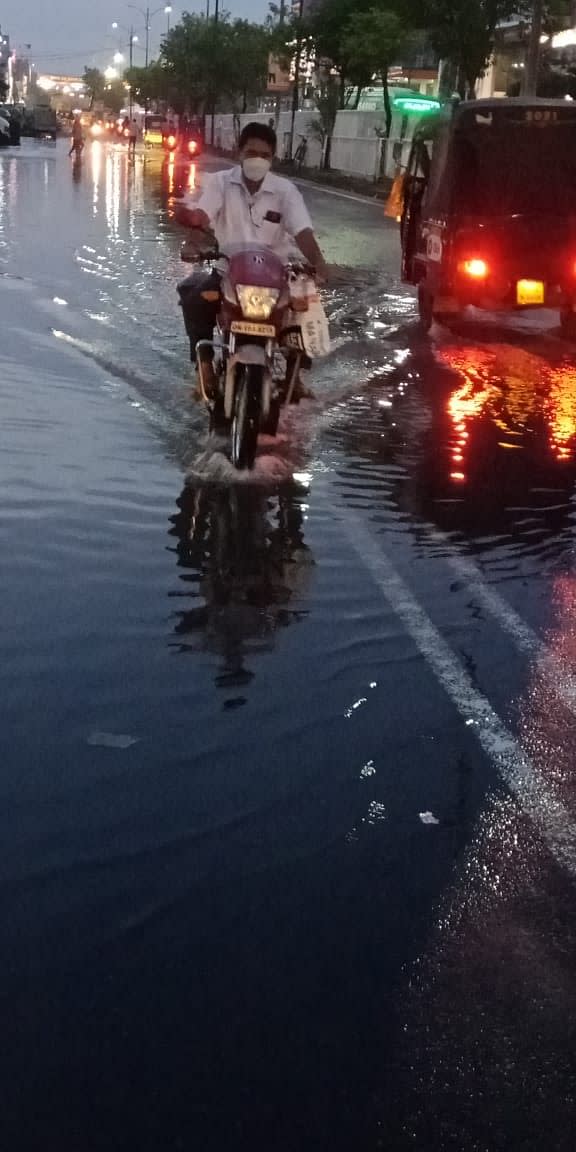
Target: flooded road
288	814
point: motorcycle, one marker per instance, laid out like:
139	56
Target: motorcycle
261	320
188	149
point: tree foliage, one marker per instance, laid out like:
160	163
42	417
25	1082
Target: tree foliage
94	84
204	63
372	41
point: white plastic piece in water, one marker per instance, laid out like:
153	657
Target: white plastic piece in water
428	818
111	740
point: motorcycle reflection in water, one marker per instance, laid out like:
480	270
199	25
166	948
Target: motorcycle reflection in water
247	571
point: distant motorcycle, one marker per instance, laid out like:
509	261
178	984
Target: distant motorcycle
263	305
190	148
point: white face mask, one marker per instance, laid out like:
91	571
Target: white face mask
255	168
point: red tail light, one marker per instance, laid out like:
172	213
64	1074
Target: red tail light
171	141
475	269
192	147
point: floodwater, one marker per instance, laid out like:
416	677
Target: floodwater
287	804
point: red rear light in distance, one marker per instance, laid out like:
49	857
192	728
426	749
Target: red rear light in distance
192	147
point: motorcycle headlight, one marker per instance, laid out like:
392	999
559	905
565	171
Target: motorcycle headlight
256	303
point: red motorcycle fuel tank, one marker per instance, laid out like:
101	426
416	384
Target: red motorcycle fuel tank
259	267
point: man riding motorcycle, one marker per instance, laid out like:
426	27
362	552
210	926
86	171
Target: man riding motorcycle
251	205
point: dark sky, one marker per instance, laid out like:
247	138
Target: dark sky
67	34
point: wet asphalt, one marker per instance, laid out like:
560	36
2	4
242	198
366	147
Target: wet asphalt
287	803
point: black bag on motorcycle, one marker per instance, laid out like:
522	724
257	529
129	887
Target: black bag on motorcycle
199	313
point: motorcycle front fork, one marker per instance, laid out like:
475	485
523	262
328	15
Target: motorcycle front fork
224	365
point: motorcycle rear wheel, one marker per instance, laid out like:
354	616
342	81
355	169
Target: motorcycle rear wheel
246	415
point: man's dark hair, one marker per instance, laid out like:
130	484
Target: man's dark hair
256	131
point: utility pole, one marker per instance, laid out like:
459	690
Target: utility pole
147	37
213	93
278	96
296	88
131	57
530	78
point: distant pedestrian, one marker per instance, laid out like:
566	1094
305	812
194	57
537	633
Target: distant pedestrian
77	138
133	138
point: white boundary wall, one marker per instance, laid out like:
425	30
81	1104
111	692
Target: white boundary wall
356	146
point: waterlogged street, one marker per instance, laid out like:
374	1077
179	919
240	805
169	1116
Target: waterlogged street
287	792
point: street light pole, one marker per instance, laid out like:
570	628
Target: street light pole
530	77
131	58
296	88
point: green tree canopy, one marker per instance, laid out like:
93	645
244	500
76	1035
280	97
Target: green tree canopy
94	83
207	63
372	41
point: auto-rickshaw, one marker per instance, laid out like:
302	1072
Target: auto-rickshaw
489	210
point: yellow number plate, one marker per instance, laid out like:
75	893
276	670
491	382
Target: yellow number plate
246	328
530	292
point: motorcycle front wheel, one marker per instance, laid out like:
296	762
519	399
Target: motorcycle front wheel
246	415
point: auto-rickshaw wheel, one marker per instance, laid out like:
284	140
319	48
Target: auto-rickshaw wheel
449	320
568	324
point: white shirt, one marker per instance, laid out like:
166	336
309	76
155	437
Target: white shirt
272	217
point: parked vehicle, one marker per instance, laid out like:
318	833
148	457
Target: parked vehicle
4	132
10	114
257	319
41	123
489	210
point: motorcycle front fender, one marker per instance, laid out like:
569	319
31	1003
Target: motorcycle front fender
250	354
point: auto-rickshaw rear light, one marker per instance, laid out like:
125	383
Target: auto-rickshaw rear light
476	269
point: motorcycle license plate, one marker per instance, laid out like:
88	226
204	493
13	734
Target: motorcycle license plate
247	328
530	292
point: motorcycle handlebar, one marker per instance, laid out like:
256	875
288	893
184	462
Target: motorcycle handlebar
201	245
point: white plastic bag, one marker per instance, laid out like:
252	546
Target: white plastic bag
307	323
315	331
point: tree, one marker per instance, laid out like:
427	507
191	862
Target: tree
149	84
463	33
206	63
331	27
248	49
114	96
371	42
327	103
94	84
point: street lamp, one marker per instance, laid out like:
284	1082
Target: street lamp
147	16
168	10
132	40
